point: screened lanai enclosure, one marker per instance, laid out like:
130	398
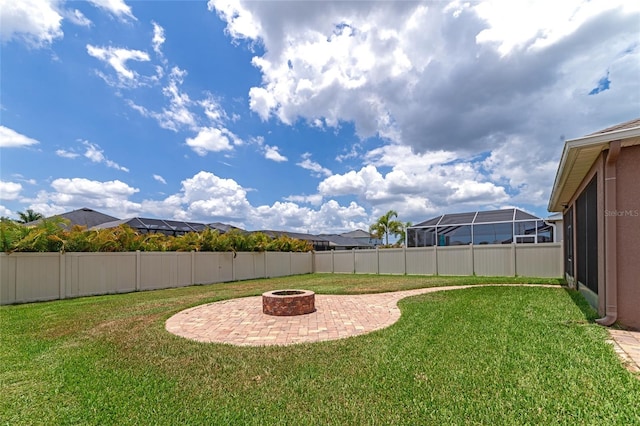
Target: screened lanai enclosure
166	227
482	227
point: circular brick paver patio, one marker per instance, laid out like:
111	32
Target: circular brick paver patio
241	321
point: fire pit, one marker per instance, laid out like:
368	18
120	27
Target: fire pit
288	302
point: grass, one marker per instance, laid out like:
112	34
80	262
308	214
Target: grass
516	355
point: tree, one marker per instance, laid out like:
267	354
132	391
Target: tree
403	231
29	216
385	225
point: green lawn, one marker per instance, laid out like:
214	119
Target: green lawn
487	355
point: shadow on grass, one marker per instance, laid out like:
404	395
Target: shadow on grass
589	313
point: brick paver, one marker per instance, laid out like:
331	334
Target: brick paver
241	322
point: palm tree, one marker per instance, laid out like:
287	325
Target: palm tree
385	225
29	216
403	231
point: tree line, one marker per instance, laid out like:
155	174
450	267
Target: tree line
50	235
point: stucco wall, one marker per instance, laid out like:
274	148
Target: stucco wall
628	235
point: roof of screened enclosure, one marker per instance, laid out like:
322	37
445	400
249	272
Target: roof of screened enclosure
160	225
487	216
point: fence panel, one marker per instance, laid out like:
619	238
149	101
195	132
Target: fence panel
421	261
89	274
392	262
206	268
246	266
278	264
164	270
494	260
366	261
539	260
36	277
343	262
7	279
455	260
301	263
323	262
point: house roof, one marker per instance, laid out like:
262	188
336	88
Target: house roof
358	233
158	225
579	155
296	235
83	217
343	241
486	216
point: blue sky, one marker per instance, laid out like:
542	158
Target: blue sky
303	116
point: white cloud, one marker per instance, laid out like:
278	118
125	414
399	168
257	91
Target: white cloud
111	197
272	153
66	154
9	138
158	38
473	192
117	59
315	199
177	115
160	179
529	24
78	18
241	23
308	164
9	191
210	139
38	22
96	155
331	217
4	211
118	8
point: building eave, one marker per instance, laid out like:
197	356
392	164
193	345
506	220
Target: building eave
578	156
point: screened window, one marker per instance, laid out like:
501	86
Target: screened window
454	235
494	233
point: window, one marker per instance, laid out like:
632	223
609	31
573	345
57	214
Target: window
587	236
454	235
493	233
568	242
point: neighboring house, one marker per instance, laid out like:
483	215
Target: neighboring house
319	243
482	227
342	242
597	189
555	220
363	237
83	217
166	227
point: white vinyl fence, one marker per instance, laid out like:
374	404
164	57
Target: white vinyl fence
30	277
528	260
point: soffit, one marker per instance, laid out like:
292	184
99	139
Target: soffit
578	157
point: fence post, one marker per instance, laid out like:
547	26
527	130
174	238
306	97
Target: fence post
404	252
62	289
473	262
333	266
138	266
377	260
193	267
513	259
435	259
353	251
